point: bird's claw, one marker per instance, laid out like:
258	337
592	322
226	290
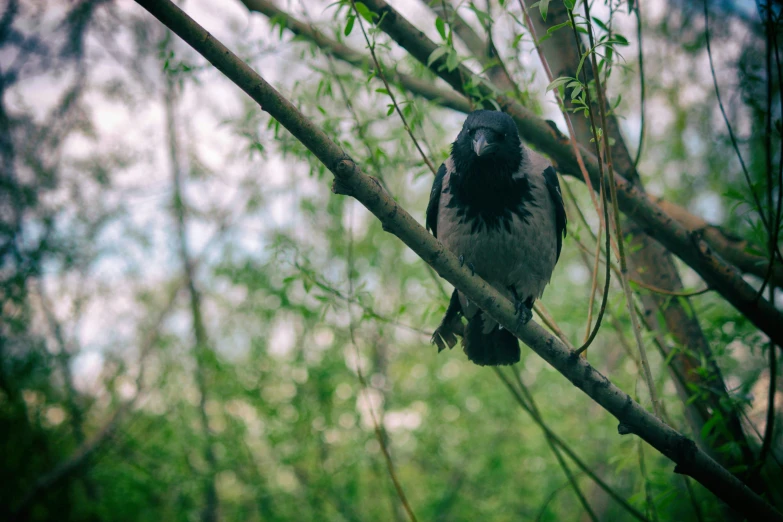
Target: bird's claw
524	314
470	265
522	308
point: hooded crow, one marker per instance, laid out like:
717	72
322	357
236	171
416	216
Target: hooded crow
497	206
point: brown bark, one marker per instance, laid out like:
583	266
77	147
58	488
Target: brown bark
733	249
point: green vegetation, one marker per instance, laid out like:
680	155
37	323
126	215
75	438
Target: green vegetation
194	326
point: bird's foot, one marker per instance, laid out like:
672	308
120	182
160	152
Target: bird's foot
522	308
470	265
524	314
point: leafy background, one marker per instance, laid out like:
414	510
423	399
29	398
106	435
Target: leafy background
119	145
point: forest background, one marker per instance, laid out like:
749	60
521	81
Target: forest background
195	326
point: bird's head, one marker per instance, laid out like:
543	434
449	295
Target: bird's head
489	139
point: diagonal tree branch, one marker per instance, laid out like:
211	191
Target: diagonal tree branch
350	180
694	251
735	250
424	88
724	244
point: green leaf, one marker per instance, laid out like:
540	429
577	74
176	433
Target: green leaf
620	39
382	91
582	62
483	16
556	27
349	25
441	27
570	4
365	12
707	427
600	24
544	8
452	61
686	306
437	53
558	82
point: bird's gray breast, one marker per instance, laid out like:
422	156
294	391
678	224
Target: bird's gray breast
521	253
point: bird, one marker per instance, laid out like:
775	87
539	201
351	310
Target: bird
497	205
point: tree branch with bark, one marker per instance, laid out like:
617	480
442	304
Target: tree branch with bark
350	180
727	246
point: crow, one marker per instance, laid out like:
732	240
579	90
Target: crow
496	205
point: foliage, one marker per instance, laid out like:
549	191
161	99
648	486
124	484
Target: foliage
300	289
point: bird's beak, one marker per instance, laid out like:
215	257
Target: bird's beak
480	144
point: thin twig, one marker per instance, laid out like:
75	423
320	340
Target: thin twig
646	286
618	227
605	219
376	425
648	496
726	119
673	293
580	161
550	323
552	496
773	374
694	500
566	449
571	132
533	409
642	94
774	224
607	275
357	124
201	346
369	311
371	46
593	286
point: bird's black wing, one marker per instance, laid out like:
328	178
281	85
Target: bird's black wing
553	185
432	207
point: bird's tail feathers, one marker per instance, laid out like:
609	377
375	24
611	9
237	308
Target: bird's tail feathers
495	348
